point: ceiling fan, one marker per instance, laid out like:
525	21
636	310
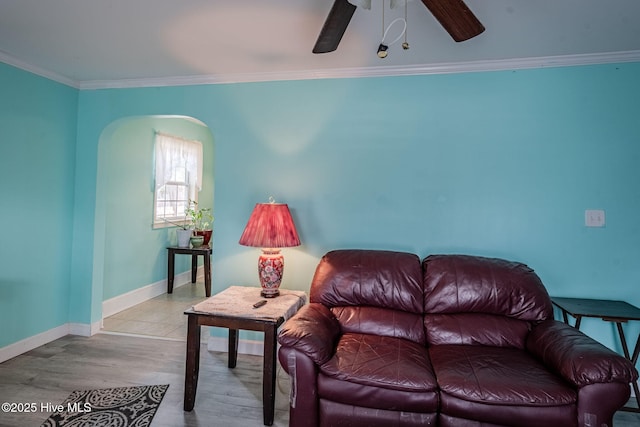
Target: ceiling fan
454	15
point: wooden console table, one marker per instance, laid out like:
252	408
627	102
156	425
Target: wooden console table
233	309
618	312
205	251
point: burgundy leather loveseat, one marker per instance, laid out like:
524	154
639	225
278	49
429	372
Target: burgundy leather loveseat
453	341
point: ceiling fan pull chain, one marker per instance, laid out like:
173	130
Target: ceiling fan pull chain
382	48
405	45
404	30
383	20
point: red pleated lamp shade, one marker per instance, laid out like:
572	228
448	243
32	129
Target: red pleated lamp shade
270	226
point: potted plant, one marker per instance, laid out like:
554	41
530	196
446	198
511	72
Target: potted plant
183	233
201	221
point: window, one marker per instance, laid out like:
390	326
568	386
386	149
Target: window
178	164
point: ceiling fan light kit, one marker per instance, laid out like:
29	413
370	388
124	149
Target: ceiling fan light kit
454	16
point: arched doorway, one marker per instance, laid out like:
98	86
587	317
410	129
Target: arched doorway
129	253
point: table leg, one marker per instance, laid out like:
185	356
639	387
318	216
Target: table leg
233	347
171	272
578	321
207	274
623	341
633	359
194	268
269	375
192	363
636	351
566	319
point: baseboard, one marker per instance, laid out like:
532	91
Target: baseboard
28	344
109	307
35	341
137	296
255	348
83	329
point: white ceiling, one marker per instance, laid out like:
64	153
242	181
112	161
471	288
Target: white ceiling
115	43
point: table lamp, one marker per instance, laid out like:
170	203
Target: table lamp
270	228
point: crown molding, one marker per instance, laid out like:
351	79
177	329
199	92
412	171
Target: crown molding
380	71
337	73
50	75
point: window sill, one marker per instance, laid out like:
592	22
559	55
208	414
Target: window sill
165	224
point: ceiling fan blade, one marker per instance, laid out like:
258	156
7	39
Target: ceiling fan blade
456	18
334	27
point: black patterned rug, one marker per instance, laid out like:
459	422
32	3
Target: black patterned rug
109	407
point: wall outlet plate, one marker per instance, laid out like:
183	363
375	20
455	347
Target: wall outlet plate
594	218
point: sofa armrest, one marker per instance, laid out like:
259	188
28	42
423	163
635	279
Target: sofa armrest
576	357
313	331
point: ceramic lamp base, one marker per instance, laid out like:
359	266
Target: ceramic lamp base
270	294
270	268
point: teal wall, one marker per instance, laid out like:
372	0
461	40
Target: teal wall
37	162
134	253
493	163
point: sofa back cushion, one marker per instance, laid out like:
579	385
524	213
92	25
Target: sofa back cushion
372	292
477	300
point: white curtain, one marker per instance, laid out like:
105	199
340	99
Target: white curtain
172	152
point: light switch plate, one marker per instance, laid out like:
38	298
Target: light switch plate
594	218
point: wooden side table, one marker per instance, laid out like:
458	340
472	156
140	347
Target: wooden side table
205	251
233	309
618	312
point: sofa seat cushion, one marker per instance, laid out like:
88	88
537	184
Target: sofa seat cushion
496	384
379	372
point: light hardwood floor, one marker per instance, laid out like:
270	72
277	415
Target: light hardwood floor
162	316
225	397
